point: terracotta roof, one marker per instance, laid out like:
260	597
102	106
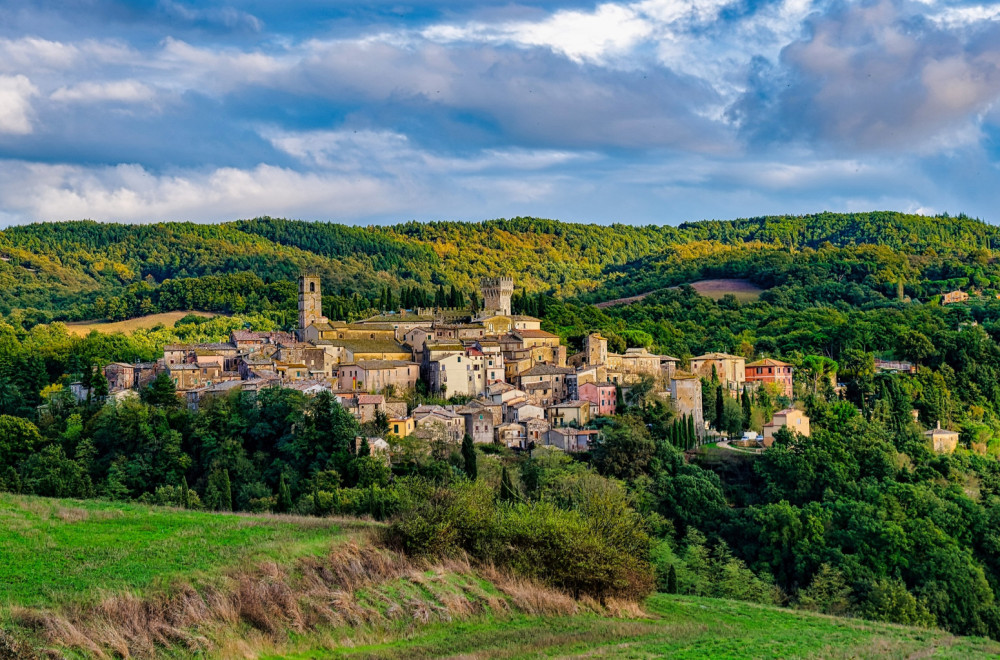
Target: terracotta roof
571	404
534	334
718	356
768	362
370	399
369	365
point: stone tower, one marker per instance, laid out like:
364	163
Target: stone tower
310	302
496	294
595	347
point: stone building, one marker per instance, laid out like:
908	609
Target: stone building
685	393
310	302
942	440
497	292
729	369
376	375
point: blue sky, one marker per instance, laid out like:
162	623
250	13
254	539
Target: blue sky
644	111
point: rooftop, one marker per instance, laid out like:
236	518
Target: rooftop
535	334
768	362
718	356
547	370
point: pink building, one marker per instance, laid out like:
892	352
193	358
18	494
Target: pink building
603	395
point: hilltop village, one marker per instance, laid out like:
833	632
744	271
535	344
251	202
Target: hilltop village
518	385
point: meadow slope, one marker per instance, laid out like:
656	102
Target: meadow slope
96	579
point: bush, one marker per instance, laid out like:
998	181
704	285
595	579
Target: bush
596	546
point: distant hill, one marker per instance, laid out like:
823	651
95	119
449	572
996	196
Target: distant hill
60	270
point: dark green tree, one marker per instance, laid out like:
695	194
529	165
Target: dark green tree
469	457
508	493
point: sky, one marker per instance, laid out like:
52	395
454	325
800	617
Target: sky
642	112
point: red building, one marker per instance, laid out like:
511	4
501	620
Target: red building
771	371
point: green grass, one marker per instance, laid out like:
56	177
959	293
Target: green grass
678	627
56	552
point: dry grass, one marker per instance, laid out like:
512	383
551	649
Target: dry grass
82	328
357	586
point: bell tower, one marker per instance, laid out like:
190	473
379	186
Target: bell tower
310	302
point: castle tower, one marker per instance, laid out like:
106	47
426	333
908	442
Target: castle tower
595	347
310	302
496	294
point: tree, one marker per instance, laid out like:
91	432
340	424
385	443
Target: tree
219	493
624	448
508	493
469	457
732	418
185	493
284	504
672	580
161	392
19	439
719	408
747	409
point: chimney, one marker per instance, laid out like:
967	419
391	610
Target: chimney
939	424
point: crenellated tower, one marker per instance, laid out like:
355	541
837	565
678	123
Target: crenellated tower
496	294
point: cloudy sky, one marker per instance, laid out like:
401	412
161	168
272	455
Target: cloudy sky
650	111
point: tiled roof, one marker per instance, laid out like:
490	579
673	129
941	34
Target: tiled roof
718	356
535	334
768	362
547	370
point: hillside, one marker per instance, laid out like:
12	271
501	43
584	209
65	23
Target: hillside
86	270
88	577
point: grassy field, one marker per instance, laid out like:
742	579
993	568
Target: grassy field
82	329
57	552
744	290
676	627
94	579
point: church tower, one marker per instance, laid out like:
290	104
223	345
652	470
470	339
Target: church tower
595	347
310	302
496	295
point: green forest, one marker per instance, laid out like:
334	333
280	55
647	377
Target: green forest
861	518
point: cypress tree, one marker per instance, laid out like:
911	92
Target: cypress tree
719	407
672	580
316	506
692	436
185	495
507	492
284	496
747	409
469	456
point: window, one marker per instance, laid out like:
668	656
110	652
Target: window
312	287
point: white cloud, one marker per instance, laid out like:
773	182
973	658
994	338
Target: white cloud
962	16
132	193
393	153
15	104
121	91
581	36
31	54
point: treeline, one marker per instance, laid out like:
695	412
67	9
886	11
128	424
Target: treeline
56	271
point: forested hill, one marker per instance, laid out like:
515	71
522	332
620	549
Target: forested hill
60	271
